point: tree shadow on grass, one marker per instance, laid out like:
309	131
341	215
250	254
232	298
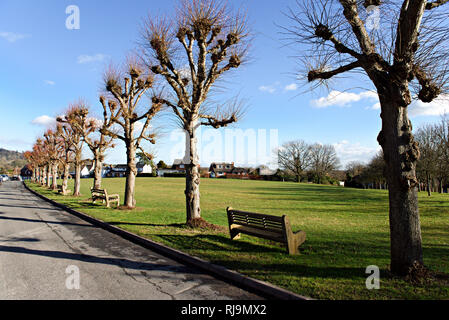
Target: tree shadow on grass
278	263
251	266
174	225
218	243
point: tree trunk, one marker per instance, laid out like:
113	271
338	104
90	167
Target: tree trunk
54	177
41	175
97	172
47	182
65	178
77	184
429	193
192	191
131	172
401	153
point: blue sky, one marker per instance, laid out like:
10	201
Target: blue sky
45	66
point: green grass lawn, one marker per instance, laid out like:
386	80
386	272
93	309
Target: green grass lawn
347	230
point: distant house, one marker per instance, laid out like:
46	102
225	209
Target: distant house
227	169
87	170
220	169
116	171
178	167
240	171
144	169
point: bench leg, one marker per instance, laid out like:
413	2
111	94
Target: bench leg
295	241
235	235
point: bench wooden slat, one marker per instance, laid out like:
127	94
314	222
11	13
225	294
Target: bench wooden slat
237	213
102	194
275	236
265	226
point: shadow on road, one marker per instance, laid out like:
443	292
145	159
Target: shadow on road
122	263
45	221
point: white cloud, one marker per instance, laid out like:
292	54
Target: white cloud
50	83
348	152
291	87
435	108
44	121
13	37
84	58
343	99
269	89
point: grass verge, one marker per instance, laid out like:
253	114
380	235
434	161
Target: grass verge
347	230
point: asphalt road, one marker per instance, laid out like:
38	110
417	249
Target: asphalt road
46	253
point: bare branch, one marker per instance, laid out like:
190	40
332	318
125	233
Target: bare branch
435	4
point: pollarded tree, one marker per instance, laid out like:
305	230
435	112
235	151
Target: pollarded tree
125	95
67	155
401	46
72	123
39	159
294	157
201	44
99	145
92	132
53	150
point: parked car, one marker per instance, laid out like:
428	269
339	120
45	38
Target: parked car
4	177
16	178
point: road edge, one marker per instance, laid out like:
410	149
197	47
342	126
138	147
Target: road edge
247	283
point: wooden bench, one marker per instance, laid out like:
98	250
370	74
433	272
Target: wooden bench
60	190
265	226
102	194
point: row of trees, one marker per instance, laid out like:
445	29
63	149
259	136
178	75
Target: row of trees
367	176
403	55
432	168
182	59
301	160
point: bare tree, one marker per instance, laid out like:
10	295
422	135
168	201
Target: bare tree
355	168
426	137
323	159
99	144
73	123
39	159
295	158
53	149
122	107
65	135
191	52
404	55
442	163
92	132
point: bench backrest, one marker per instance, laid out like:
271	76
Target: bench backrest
99	191
256	220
